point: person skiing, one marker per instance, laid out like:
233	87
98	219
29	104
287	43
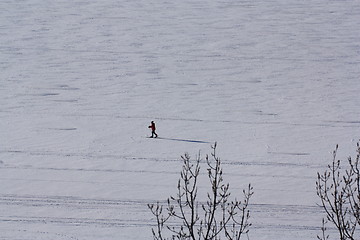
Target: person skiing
153	128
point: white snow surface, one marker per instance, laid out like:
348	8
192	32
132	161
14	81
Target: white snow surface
274	82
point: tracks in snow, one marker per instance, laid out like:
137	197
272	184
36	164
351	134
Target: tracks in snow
135	158
73	204
137	210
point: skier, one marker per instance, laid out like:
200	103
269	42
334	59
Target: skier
153	128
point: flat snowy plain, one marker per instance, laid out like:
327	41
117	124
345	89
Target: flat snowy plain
274	82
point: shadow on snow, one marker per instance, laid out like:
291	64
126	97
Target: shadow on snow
182	140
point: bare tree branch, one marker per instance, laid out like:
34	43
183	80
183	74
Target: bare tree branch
220	217
338	190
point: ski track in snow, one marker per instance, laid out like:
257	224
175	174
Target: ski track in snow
133	208
275	83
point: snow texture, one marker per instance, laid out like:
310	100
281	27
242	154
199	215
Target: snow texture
274	82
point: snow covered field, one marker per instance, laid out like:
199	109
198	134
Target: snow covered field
274	82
